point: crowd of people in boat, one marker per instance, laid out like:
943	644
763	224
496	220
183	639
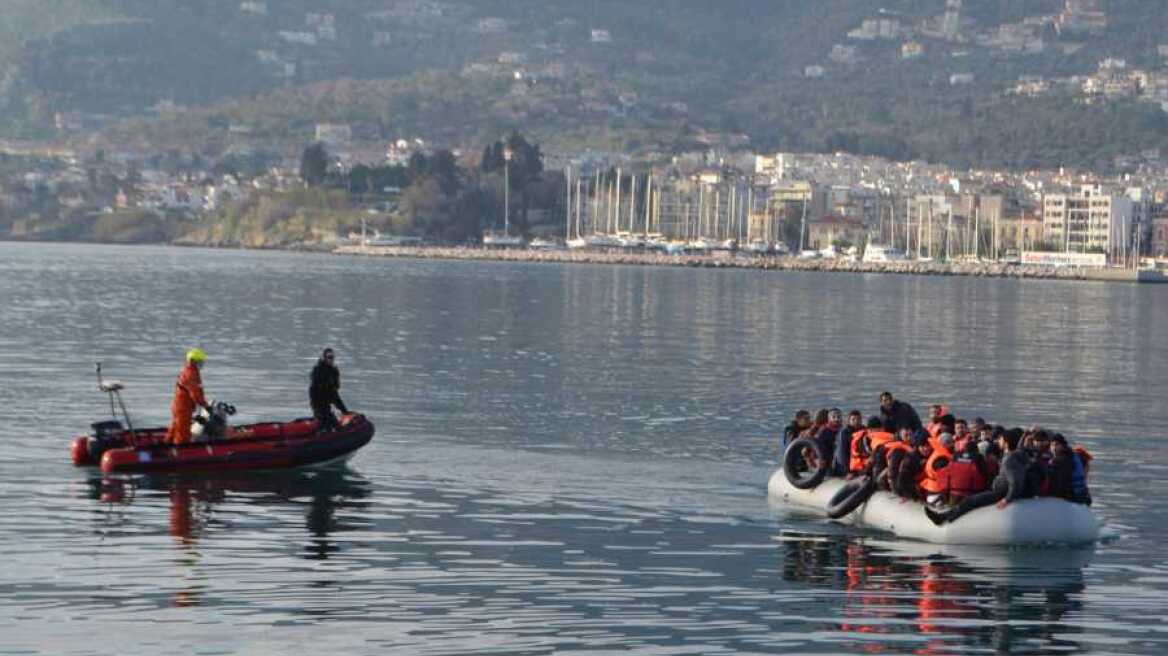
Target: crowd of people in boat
950	464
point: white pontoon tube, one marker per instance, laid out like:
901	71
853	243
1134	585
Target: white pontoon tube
1027	521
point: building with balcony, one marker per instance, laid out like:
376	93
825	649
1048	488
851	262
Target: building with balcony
1089	219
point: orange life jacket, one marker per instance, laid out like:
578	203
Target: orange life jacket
938	461
895	445
860	454
864	443
878	438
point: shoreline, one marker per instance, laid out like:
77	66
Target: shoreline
719	260
726	260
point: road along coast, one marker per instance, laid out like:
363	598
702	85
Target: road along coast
727	260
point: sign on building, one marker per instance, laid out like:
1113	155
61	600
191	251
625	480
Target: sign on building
1095	260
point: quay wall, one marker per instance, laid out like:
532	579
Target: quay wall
746	261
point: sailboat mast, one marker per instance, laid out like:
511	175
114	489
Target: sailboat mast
977	233
803	224
577	207
949	235
632	203
616	214
648	200
568	204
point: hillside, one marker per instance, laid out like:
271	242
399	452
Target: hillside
598	73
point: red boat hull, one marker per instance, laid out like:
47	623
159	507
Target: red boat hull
287	445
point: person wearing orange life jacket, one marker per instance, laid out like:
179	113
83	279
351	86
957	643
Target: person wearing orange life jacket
893	455
1013	482
910	473
939	459
961	434
843	443
883	445
188	395
864	443
946	424
966	474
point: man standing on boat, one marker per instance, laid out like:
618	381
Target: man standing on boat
325	390
188	395
899	413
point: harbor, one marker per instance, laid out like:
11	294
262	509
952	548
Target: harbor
745	260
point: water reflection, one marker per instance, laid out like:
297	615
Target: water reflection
193	499
935	597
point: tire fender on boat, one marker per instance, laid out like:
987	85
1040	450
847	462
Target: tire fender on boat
850	496
794	455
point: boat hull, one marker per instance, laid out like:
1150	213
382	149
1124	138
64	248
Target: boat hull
267	446
1029	521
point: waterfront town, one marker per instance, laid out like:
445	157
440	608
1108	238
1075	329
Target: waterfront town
809	205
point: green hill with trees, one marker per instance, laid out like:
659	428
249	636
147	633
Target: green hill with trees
599	74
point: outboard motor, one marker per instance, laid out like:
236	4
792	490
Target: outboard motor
105	435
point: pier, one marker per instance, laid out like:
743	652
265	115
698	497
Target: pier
741	260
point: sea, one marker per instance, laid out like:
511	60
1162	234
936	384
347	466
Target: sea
568	458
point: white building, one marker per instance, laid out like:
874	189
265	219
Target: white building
1089	219
601	36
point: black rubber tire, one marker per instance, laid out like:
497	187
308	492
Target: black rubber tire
794	454
851	496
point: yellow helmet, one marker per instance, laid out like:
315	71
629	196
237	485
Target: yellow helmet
196	355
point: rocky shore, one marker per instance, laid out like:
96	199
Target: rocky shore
728	260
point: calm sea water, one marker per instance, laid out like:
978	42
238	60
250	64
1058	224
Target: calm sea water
567	459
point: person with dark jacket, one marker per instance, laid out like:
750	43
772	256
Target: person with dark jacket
899	413
325	390
1059	472
843	444
827	434
801	423
911	466
1016	480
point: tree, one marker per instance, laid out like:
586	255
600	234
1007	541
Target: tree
314	165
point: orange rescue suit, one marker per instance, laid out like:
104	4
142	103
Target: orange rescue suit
188	394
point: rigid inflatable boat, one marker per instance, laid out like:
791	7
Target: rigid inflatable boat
1027	521
271	445
217	446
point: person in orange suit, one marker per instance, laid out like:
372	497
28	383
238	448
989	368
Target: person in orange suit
188	395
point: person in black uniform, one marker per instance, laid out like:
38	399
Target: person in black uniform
325	390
